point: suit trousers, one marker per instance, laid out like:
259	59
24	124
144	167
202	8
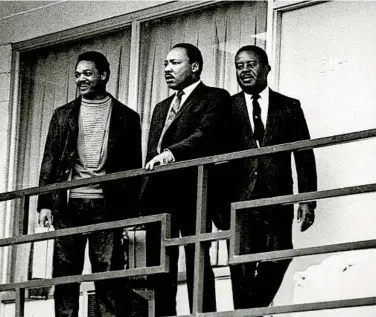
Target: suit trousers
261	229
105	253
165	285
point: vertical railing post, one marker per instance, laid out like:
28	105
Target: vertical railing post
201	220
165	234
234	239
151	303
20	302
23	221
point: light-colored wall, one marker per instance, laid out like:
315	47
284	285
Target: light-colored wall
327	62
65	15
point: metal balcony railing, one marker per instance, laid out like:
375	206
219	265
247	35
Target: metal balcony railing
201	236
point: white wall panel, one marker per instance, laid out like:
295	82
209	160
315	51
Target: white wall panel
327	62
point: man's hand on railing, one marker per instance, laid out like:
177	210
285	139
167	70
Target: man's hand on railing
161	159
306	216
45	218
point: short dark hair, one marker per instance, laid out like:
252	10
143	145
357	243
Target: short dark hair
100	61
261	54
194	54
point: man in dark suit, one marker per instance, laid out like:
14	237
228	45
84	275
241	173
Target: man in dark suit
90	136
262	117
187	125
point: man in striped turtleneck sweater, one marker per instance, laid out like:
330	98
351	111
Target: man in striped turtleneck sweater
91	136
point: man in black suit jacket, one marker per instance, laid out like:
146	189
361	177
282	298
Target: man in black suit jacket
187	125
90	136
262	117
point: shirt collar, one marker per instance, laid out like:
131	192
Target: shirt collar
263	102
188	90
264	95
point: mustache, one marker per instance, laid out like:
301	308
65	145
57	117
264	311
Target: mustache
247	75
168	75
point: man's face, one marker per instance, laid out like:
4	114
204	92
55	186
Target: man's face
179	71
88	79
250	72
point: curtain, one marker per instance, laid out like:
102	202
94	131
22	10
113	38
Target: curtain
47	77
47	82
218	32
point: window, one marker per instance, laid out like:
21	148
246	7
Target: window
47	77
47	82
219	31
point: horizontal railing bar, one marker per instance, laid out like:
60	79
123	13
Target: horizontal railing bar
214	236
292	253
275	310
82	230
83	278
309	196
300	145
272	255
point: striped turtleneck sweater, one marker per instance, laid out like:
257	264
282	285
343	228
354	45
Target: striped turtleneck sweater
94	123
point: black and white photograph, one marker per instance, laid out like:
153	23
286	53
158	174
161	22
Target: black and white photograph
186	158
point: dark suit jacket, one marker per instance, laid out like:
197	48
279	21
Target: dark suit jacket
285	124
196	131
124	153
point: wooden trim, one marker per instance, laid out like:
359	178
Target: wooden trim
8	254
133	80
111	24
14	111
283	5
276	60
269	35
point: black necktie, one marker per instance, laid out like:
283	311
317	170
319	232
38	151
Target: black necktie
258	125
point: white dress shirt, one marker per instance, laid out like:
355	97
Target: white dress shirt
187	91
264	105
